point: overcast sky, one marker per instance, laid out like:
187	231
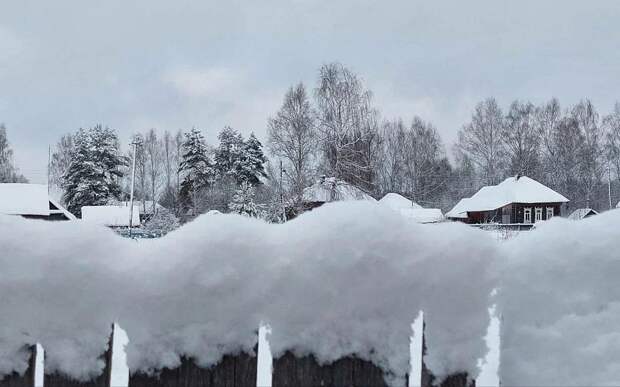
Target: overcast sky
137	64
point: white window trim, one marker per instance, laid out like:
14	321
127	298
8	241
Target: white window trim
538	214
528	211
550	212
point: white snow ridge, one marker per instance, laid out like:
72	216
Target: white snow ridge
347	278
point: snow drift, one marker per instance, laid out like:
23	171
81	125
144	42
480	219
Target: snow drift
347	278
560	304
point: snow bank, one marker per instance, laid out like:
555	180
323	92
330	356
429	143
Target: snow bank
560	303
347	278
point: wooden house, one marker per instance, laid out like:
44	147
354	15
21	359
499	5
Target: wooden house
31	201
517	201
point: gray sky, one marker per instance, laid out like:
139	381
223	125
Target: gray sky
138	64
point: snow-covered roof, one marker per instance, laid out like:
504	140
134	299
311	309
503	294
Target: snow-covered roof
422	215
145	207
512	190
331	189
24	199
410	209
396	201
111	216
459	211
29	199
581	213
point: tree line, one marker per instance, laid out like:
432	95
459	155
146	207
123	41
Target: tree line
334	129
180	171
8	171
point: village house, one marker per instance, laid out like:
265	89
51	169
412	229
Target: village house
31	201
411	210
517	201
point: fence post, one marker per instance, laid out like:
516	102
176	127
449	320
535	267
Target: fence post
61	380
292	371
455	380
27	379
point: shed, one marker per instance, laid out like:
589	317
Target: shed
110	216
582	213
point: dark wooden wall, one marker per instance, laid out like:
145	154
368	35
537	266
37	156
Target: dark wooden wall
231	371
27	379
292	371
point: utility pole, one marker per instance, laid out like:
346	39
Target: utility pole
282	192
135	144
49	162
609	185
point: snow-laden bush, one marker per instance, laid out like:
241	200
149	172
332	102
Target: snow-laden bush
162	222
560	304
347	278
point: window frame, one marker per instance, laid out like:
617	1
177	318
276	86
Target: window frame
550	210
527	211
538	214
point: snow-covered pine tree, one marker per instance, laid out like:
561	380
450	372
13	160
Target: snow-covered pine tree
229	154
243	201
253	161
94	171
195	167
107	154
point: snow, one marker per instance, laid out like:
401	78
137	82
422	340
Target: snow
397	202
347	278
24	199
560	304
411	210
459	211
581	213
111	216
511	190
331	189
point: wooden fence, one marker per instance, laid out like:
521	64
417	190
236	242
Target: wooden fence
239	370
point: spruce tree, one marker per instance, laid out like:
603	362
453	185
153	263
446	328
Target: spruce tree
94	171
229	154
243	201
253	161
196	168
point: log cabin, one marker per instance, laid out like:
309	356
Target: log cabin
517	201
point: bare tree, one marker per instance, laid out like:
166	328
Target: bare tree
522	140
61	160
347	124
8	172
591	166
547	119
153	155
481	141
292	137
611	124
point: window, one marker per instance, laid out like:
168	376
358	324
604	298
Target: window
550	213
527	215
538	214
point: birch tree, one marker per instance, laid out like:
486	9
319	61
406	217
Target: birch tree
481	141
292	137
